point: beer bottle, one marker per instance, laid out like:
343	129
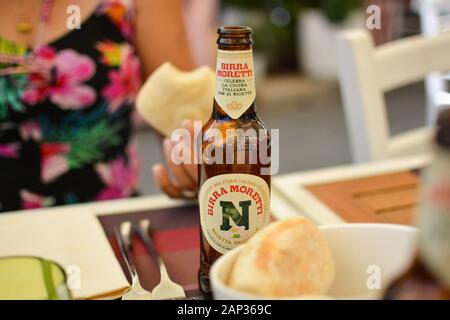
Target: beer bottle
234	174
429	276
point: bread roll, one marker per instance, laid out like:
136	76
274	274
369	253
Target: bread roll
288	258
170	96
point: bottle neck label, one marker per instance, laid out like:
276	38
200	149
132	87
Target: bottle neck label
235	82
434	217
233	207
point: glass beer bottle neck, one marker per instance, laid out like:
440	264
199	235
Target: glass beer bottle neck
235	93
235	85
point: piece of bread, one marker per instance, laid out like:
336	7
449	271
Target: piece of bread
288	258
170	96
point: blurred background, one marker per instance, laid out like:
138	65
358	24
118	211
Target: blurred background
296	69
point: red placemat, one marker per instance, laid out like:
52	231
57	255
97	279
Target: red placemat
176	237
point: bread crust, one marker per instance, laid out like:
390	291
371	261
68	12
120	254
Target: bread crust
288	258
170	96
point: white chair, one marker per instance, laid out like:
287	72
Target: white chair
434	19
368	72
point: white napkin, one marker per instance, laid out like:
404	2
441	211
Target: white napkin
72	238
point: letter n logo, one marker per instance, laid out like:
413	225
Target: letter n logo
230	211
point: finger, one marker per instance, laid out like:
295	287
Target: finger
191	171
189	125
163	181
183	179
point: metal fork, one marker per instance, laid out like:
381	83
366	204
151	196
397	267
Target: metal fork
123	236
166	289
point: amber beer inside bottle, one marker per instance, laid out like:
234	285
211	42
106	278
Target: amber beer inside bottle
229	191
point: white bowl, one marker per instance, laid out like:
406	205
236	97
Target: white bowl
361	252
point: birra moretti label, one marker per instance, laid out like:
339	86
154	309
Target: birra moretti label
235	83
233	207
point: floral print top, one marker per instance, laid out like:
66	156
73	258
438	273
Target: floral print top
65	133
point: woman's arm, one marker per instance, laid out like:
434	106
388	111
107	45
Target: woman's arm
160	35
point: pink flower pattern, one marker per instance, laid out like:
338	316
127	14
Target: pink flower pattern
9	150
64	86
30	130
119	14
32	200
121	180
67	102
54	162
124	82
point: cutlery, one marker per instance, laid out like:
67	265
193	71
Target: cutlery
166	289
123	235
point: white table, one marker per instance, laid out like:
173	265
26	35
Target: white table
289	196
145	203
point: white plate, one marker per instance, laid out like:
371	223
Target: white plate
361	252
